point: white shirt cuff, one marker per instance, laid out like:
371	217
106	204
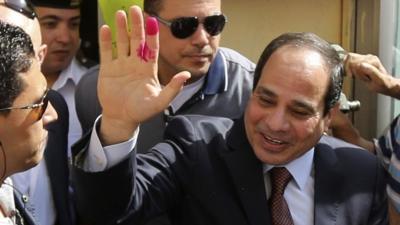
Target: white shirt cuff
101	158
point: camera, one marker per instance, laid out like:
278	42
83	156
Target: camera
344	104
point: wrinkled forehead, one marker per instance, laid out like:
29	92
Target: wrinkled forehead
30	26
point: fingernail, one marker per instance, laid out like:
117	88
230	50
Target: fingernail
151	26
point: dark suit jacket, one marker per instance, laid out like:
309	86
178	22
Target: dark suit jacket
205	172
56	156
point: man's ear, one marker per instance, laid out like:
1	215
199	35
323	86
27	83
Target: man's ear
42	51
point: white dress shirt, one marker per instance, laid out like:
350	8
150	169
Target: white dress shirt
65	85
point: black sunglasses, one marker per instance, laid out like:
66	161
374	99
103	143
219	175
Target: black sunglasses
38	109
24	7
184	27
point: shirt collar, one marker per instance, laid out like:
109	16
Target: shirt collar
73	72
299	168
217	76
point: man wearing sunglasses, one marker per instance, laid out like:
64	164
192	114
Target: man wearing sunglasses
190	32
24	114
45	187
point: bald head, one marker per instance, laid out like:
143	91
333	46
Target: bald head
30	26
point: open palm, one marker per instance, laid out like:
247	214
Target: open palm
128	86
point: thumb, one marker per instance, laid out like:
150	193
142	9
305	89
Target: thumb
175	85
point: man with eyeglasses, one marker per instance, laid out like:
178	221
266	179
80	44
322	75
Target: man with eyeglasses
25	111
190	32
45	187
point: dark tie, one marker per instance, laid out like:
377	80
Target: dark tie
280	213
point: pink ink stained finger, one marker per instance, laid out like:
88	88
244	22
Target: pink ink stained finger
151	26
151	29
143	51
148	53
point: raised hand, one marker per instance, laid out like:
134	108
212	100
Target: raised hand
128	86
369	69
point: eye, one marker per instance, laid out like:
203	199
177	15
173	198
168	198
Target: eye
301	113
265	100
74	25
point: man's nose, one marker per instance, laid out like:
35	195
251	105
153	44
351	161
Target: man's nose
200	37
278	120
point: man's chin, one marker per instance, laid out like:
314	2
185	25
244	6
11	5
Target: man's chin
37	155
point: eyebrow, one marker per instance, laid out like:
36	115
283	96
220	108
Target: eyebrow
54	17
265	91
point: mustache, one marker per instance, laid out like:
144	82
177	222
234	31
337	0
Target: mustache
207	50
263	129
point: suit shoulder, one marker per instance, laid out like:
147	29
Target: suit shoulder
338	143
346	152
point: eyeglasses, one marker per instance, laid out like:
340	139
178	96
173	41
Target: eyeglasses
38	109
184	27
24	7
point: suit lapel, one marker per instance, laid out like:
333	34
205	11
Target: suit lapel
247	174
326	186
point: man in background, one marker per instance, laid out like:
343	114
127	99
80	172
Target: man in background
369	70
60	21
221	78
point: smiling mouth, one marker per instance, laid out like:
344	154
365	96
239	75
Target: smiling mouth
274	141
63	52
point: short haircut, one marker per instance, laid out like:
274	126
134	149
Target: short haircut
152	7
16	53
310	41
